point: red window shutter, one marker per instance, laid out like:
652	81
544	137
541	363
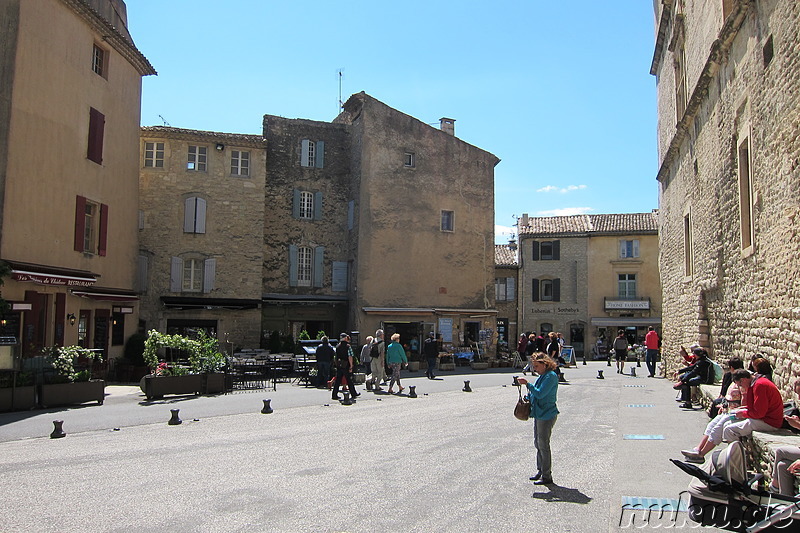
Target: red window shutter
80	222
103	237
97	122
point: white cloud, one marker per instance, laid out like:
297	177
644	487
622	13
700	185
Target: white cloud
565	212
503	233
564	190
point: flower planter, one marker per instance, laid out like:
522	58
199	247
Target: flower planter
23	398
155	387
413	366
479	365
214	383
447	366
72	393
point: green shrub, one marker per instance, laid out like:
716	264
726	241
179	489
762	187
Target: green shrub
134	349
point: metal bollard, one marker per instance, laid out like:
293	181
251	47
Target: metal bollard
58	430
412	391
175	420
267	409
347	400
515	383
466	387
633	371
600	374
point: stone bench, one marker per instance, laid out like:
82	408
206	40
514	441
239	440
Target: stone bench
761	445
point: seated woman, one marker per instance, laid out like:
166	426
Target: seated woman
731	401
787	459
721	400
698	373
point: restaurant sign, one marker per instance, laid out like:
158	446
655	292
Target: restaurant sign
52	279
628	304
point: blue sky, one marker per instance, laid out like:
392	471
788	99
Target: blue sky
559	91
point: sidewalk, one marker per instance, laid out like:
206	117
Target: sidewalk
445	461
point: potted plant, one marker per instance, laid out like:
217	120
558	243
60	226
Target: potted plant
66	386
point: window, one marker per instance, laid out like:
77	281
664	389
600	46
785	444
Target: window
192	274
154	155
546	251
312	153
627	286
117	329
306	205
91	226
504	289
681	91
409	160
339	270
546	290
194	215
99	61
84	320
240	163
306	266
745	195
97	123
447	220
629	248
688	264
198	156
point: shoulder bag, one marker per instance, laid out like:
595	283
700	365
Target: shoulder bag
522	411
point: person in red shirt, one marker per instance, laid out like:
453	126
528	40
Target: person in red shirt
651	344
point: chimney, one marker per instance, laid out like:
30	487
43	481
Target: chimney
524	220
448	125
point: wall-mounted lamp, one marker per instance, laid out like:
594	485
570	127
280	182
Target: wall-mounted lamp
71	318
220	147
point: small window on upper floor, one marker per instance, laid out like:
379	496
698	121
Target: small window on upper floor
154	155
197	158
240	163
312	153
409	160
306	205
91	226
100	61
629	248
448	222
97	124
546	251
194	215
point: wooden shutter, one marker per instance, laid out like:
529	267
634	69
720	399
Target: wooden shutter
319	256
304	153
317	206
296	203
292	265
557	290
102	243
200	216
623	248
556	250
319	154
189	206
339	275
209	273
535	291
176	275
80	222
636	248
94	150
510	289
535	256
141	273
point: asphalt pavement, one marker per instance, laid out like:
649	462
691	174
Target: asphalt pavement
447	460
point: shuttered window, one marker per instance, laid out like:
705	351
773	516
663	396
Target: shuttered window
97	124
312	153
194	215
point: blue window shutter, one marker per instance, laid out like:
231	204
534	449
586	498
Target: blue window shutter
141	273
304	153
636	248
535	255
292	265
535	291
319	154
200	216
176	274
339	276
557	290
209	273
556	250
623	248
317	206
188	214
319	256
351	211
296	203
510	289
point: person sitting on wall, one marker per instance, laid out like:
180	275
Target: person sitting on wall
698	373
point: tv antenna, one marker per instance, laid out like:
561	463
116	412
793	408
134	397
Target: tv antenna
340	74
163	120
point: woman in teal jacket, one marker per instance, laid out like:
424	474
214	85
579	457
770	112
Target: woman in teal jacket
544	412
395	356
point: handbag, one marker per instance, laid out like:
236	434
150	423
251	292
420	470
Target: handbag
522	411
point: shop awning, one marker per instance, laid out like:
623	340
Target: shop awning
50	275
187	302
107	296
474	313
625	321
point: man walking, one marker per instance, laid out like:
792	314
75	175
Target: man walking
651	344
431	351
378	363
344	367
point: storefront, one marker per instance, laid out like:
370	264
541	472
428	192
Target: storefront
605	330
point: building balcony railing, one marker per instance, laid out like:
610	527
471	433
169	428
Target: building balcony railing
615	303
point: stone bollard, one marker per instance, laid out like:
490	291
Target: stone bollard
633	371
347	400
267	409
412	391
58	430
175	420
600	374
515	383
466	387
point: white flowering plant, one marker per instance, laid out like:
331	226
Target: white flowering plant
204	355
62	359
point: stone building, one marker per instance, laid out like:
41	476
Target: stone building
201	255
506	280
729	150
588	276
70	97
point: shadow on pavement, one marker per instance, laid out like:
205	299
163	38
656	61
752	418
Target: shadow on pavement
562	494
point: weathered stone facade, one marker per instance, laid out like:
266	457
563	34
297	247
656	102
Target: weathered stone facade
729	167
506	280
570	277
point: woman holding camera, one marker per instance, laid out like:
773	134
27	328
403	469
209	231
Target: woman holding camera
542	395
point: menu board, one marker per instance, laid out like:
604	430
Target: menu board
446	329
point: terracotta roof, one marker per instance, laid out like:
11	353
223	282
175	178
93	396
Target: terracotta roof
239	139
504	255
623	223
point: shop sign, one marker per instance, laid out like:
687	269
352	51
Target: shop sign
628	304
49	279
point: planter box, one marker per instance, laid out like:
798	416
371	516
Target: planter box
24	398
72	393
214	383
155	387
447	366
479	366
413	366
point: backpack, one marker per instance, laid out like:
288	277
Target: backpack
718	372
374	353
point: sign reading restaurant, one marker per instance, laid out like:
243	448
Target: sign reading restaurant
628	304
48	279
